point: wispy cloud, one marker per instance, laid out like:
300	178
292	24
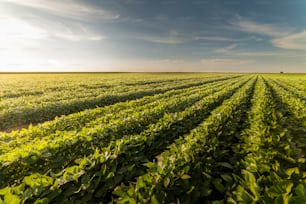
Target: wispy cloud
226	39
13	27
73	32
282	36
268	54
165	40
213	38
295	41
17	31
257	54
67	9
171	38
249	26
226	49
255	38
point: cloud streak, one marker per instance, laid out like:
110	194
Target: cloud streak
246	25
14	30
295	41
171	38
282	36
67	9
17	31
213	38
227	49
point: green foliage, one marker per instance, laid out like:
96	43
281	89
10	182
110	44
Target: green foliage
220	139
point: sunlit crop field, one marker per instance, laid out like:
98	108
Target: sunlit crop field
152	138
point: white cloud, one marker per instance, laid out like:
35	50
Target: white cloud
257	54
30	43
18	32
213	38
246	25
16	27
67	8
253	38
169	61
226	39
172	38
269	54
72	32
282	36
163	40
227	49
295	41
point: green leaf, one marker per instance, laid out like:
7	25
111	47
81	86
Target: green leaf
207	175
19	190
4	191
166	182
37	180
185	176
42	201
300	190
225	164
11	199
226	178
249	177
300	196
289	187
118	191
217	202
230	200
218	185
140	183
242	195
290	171
154	200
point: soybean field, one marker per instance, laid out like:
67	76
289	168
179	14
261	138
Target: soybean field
153	138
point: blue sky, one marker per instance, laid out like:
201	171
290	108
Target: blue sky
146	35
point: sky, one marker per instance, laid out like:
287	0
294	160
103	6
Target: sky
147	35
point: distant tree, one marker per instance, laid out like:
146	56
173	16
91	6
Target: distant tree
281	72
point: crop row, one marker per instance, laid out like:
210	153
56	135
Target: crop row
88	118
174	176
45	152
170	124
224	140
24	111
265	173
266	166
295	83
14	86
298	93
